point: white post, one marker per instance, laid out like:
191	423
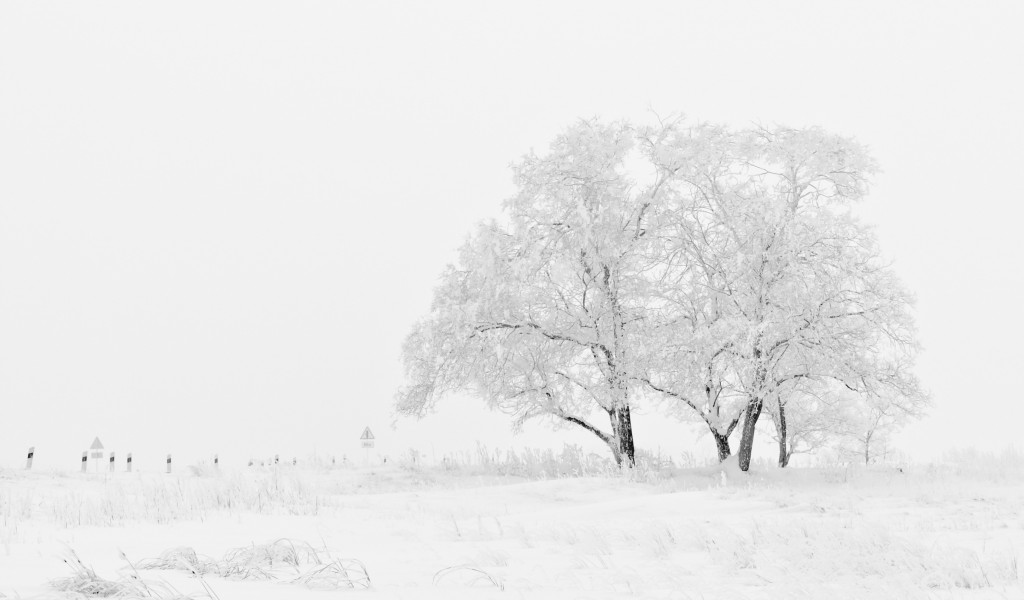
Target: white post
216	461
111	462
85	456
31	453
168	463
129	462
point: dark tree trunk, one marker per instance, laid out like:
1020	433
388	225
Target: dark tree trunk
750	417
622	426
753	411
722	443
781	425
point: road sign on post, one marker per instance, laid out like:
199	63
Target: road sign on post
367	442
96	452
367	438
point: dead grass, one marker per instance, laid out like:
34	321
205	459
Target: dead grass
85	583
285	560
468	575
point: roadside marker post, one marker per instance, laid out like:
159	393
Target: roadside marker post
216	461
129	462
31	454
111	462
168	463
85	456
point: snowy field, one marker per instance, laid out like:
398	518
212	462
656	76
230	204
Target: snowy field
954	530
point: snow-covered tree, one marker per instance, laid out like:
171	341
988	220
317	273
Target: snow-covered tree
720	271
780	283
546	315
813	416
869	422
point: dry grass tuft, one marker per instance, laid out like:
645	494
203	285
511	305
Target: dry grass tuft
260	560
337	574
181	558
470	575
85	583
292	561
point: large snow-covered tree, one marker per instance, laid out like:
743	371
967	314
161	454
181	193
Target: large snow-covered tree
545	314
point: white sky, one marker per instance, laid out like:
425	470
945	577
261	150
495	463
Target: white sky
218	221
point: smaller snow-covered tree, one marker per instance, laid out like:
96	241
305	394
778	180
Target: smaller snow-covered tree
870	423
806	420
773	281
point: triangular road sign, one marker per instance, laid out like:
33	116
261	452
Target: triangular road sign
96	444
367	434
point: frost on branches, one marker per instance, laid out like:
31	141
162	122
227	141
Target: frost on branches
544	315
713	272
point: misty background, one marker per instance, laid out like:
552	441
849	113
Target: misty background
219	221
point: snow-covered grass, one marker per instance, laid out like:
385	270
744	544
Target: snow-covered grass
523	527
84	582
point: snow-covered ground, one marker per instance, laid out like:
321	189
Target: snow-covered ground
715	533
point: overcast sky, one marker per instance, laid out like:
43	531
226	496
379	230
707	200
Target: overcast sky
219	220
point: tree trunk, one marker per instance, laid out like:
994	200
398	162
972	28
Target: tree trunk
622	425
781	426
750	417
722	443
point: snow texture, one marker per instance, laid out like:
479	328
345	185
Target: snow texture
459	531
